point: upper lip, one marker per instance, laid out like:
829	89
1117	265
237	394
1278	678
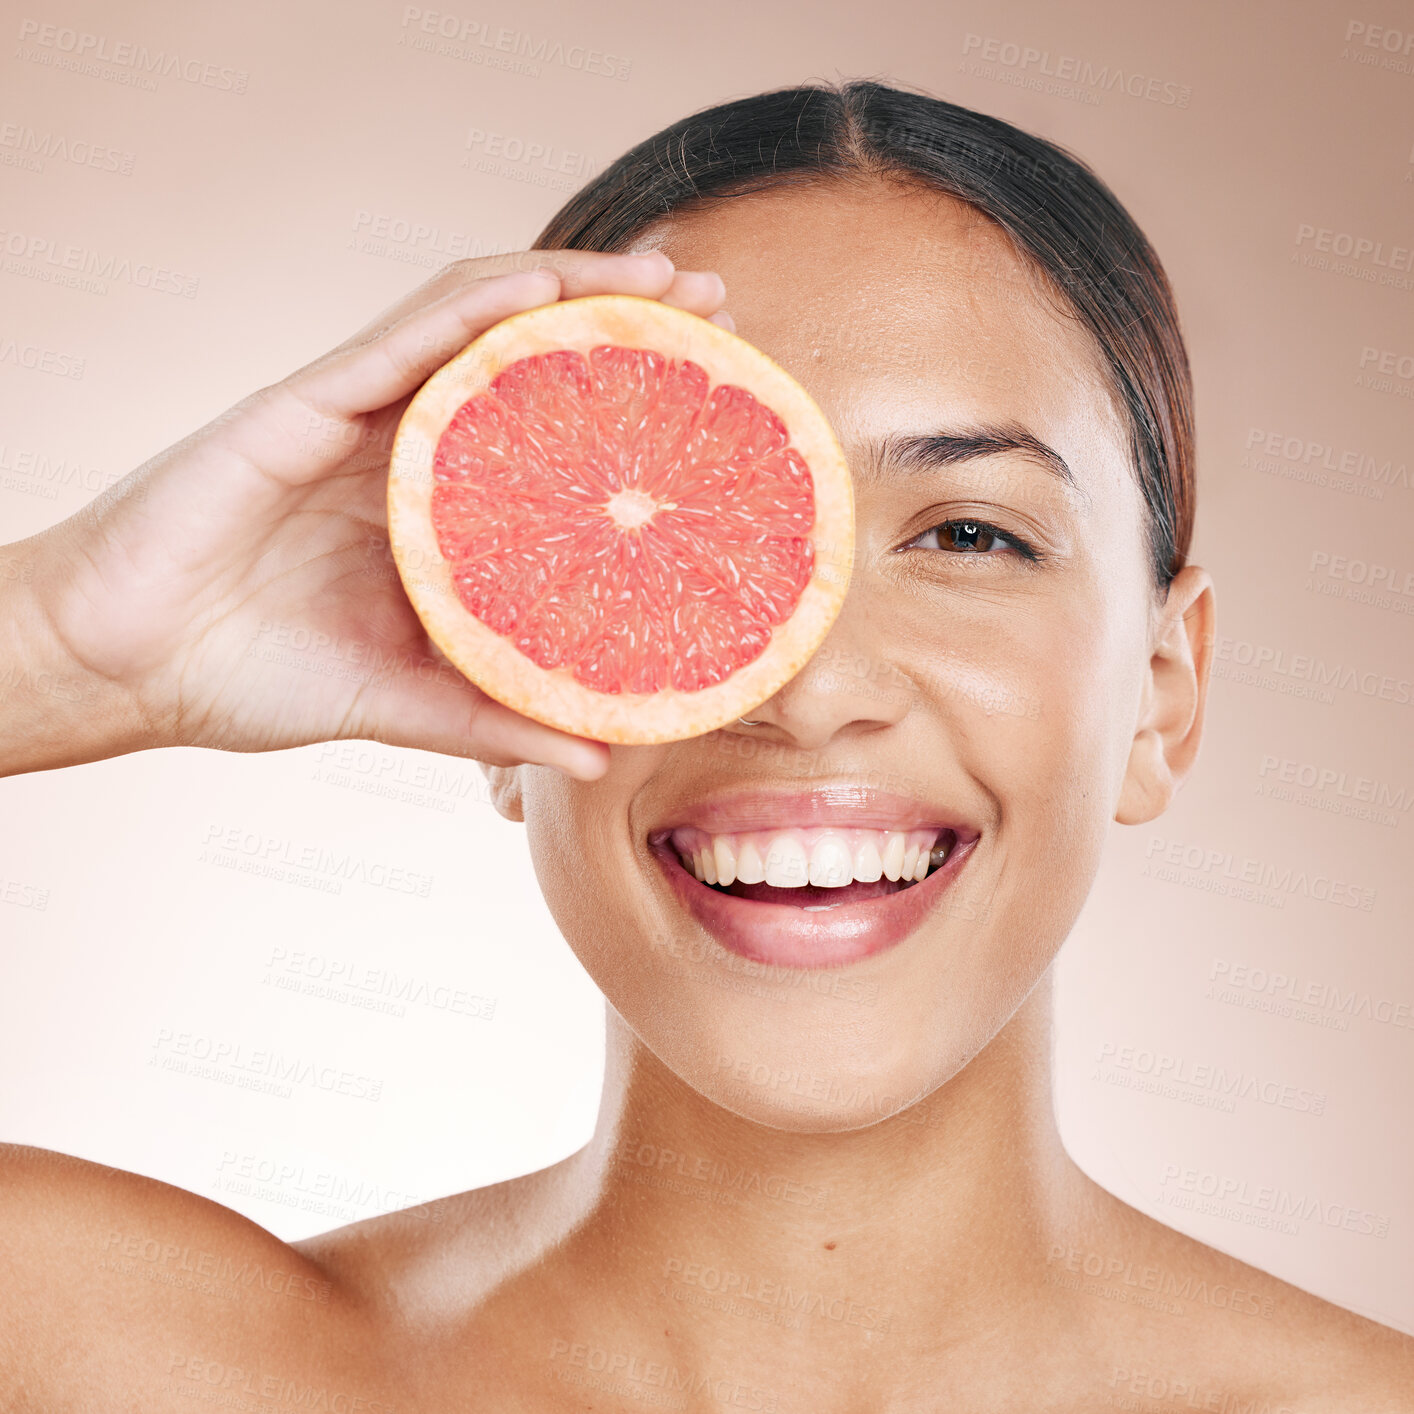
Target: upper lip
842	803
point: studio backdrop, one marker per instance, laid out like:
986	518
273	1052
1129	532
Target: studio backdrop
198	199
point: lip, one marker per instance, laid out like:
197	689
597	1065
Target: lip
860	807
783	935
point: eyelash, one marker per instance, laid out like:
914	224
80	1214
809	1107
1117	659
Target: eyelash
1023	548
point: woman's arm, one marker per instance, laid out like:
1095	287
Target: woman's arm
204	599
197	603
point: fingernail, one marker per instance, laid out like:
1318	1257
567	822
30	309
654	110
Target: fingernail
711	275
724	319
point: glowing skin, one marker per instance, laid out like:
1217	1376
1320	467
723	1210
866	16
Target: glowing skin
994	690
863	1152
1036	702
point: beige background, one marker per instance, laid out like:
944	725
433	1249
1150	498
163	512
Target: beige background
297	167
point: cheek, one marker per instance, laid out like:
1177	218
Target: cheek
587	861
1039	699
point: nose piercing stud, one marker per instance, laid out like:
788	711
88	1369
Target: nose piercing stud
747	723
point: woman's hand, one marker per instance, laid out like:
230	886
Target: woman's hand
238	590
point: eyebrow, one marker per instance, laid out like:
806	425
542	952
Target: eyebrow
936	449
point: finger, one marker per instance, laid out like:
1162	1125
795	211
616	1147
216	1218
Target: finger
697	291
361	378
588	272
724	319
449	715
579	272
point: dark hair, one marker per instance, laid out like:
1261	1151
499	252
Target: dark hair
1056	210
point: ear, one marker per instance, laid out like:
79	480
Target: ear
505	786
1170	723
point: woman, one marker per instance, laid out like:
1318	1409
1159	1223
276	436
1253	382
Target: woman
830	1185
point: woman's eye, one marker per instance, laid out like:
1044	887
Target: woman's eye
973	537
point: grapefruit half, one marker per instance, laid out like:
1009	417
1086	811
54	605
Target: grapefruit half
619	519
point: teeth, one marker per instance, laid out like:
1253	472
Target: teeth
787	864
724	856
868	864
831	864
893	855
910	860
749	868
821	856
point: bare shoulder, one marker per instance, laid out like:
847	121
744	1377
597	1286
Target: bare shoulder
128	1287
1215	1328
443	1258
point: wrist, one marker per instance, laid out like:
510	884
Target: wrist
53	711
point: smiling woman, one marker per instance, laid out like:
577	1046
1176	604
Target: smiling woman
826	932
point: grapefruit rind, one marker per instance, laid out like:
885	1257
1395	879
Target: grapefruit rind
552	696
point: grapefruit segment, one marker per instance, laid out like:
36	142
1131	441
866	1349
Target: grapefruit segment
619	519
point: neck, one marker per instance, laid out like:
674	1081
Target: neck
705	1235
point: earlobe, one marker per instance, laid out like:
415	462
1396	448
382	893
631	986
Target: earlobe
505	784
1170	724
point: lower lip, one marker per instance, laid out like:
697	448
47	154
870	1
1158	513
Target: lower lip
782	935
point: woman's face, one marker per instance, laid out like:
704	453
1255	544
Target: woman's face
990	682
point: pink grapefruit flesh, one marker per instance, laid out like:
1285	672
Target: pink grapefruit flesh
621	520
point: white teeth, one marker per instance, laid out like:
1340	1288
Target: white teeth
868	864
724	856
831	864
824	858
893	856
749	868
787	864
910	861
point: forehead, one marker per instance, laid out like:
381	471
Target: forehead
899	308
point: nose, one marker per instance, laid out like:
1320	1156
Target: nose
849	687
